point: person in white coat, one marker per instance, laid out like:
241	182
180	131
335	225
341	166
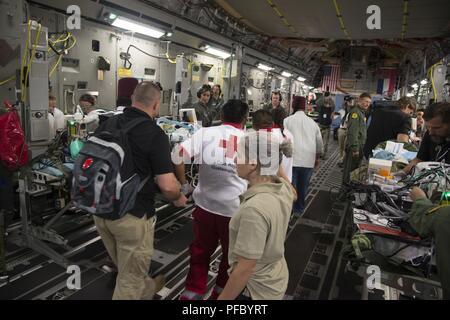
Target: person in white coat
90	115
56	117
308	147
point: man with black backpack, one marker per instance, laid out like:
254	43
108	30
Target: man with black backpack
115	179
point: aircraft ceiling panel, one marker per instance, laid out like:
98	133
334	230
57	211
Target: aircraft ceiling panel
317	19
260	14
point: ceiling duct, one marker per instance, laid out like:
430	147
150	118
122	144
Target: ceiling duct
304	43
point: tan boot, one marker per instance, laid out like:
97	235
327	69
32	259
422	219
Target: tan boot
157	284
160	281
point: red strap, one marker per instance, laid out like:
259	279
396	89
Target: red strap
8	104
236	125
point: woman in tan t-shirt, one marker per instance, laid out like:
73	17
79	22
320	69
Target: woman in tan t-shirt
258	269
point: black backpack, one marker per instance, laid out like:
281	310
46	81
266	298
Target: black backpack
105	182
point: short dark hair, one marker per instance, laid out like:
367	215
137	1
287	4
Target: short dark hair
146	92
235	111
51	97
365	95
403	102
278	115
438	109
203	89
88	98
262	119
348	98
276	92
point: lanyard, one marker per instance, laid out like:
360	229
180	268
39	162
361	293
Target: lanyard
442	152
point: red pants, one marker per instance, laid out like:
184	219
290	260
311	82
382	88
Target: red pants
209	228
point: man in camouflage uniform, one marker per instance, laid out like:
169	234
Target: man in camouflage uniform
356	135
429	219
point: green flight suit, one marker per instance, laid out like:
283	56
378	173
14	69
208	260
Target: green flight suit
430	220
216	106
356	138
270	108
205	114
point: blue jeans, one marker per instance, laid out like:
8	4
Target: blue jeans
300	181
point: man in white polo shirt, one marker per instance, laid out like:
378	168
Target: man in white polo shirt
307	145
216	195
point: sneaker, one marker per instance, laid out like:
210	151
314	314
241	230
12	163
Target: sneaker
190	295
109	268
215	293
109	265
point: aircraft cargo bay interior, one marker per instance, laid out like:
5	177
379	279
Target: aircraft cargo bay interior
225	150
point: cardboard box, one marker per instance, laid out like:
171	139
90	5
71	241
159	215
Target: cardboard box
380	167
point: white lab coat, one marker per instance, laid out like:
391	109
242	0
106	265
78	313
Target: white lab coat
60	120
56	121
91	119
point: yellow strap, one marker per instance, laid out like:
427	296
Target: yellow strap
436	208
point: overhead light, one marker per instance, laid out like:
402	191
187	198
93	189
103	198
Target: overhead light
264	67
286	74
169	34
108	16
216	52
424	82
414	85
301	79
410	94
130	25
249	92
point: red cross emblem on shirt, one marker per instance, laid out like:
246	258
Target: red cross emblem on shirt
230	145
